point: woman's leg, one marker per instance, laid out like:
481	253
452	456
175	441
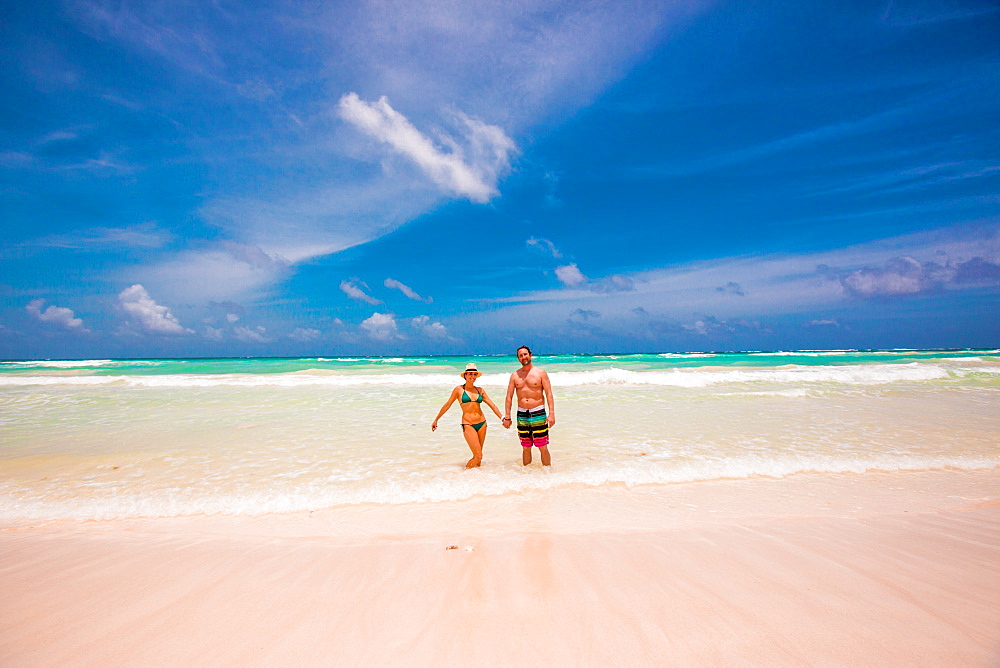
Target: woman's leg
475	441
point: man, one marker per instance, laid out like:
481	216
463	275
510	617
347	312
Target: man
533	391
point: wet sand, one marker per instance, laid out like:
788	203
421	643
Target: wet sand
889	569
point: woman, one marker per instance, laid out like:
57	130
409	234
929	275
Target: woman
473	420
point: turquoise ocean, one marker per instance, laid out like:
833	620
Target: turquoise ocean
105	439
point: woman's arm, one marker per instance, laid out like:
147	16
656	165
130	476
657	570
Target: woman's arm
489	402
507	401
444	409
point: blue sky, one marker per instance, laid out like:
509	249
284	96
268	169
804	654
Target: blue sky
215	179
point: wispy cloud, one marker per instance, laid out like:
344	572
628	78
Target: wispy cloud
220	272
906	14
495	68
355	289
143	235
545	246
803	140
406	290
470	166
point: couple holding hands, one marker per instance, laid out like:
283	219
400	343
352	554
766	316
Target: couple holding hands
533	390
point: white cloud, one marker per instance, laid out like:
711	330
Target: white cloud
143	236
221	273
381	326
406	290
945	260
304	335
512	65
147	315
351	288
470	167
56	315
232	318
212	333
545	246
251	335
424	325
570	275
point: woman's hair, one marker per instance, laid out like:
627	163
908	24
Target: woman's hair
525	348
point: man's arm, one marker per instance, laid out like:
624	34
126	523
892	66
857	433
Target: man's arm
547	388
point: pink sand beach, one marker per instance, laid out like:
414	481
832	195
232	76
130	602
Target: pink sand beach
888	569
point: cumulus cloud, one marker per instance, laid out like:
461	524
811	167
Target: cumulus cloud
251	335
353	289
545	246
710	325
212	333
570	275
148	316
900	276
56	315
406	290
470	166
305	334
381	327
424	325
908	275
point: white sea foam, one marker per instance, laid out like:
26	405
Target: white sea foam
379	360
59	364
446	485
870	374
685	355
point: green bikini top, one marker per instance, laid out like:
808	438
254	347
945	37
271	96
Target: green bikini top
466	399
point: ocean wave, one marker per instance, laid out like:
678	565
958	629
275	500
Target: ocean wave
80	364
379	360
58	364
862	374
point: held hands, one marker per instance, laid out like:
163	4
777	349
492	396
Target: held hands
505	421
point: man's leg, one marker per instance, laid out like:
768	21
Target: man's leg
525	455
546	458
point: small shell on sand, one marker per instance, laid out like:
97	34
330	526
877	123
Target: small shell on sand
452	547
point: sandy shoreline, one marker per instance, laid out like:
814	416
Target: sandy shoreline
874	569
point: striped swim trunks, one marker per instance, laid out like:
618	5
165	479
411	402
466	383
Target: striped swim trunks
532	427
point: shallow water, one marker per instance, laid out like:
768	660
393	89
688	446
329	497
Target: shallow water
119	438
